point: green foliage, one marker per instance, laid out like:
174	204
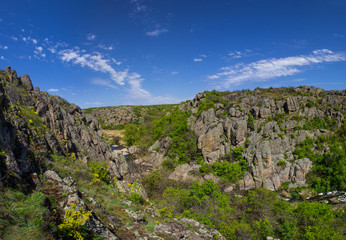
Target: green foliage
315	123
73	223
263	228
136	198
171	125
231	167
165	213
230	171
133	133
282	163
23	216
250	122
310	104
100	171
329	170
204	106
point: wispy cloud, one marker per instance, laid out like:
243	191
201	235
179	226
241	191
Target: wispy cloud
239	54
338	35
53	90
197	59
139	6
272	68
174	73
38	52
3	47
2	57
90	36
156	32
103	82
27	39
104	47
93	61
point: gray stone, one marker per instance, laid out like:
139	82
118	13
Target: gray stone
27	82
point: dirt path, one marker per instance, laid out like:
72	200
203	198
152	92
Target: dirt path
115	133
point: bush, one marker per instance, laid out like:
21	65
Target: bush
136	198
282	163
230	171
100	171
73	223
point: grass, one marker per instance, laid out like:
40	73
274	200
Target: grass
23	216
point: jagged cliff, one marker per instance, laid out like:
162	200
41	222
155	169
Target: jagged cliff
269	124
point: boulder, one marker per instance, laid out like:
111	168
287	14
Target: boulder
291	105
26	81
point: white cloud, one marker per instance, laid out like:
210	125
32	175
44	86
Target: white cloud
136	90
3	47
93	61
104	47
103	82
90	36
26	39
38	52
197	59
2	57
174	73
156	32
236	54
14	38
53	90
272	68
239	54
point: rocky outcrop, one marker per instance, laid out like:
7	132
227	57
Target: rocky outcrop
178	231
112	116
34	124
66	194
27	82
270	136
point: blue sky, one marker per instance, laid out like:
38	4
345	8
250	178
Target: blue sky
106	53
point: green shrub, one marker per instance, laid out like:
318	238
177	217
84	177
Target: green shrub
165	213
250	122
316	123
136	198
282	163
230	171
100	171
73	223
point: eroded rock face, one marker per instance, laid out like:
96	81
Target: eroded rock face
268	141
